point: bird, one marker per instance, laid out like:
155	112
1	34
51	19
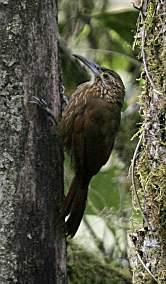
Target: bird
88	128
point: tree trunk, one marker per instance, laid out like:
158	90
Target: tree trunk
32	243
150	242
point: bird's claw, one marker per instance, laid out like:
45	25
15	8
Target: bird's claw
40	102
43	105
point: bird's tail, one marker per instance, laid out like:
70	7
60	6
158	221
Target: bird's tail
74	204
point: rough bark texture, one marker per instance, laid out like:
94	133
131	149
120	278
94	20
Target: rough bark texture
150	241
32	245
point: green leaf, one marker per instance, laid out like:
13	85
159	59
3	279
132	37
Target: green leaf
124	23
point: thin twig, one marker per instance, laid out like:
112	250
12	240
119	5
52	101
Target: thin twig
99	242
133	180
144	57
142	262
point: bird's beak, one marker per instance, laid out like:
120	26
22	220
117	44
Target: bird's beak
91	65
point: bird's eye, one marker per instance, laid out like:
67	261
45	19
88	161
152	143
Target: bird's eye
105	76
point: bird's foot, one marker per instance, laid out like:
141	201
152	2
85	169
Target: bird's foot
44	105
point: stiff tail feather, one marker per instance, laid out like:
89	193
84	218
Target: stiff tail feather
69	197
74	205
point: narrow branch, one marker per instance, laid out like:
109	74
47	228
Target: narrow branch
99	243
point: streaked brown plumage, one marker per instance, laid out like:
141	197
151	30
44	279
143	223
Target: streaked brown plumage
88	127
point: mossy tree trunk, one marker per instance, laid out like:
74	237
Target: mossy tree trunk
32	243
150	242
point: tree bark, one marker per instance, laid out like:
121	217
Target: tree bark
150	242
32	242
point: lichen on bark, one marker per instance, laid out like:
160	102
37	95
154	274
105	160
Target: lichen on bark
10	129
32	245
150	242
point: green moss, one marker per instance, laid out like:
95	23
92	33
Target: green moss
150	15
87	268
150	165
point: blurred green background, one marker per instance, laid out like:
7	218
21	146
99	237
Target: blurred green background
103	31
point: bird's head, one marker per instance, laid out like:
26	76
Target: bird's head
102	75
